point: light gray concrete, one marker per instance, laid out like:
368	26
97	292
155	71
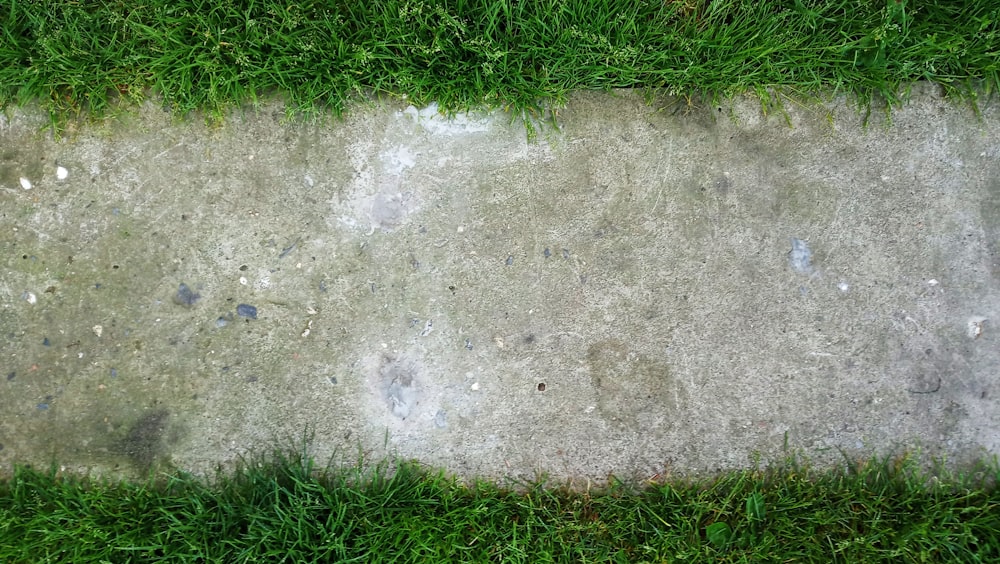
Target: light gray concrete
695	287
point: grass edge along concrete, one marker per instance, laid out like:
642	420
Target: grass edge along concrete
285	506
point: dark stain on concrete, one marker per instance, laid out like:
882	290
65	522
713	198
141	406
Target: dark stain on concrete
145	440
633	389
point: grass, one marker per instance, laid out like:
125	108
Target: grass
284	509
86	56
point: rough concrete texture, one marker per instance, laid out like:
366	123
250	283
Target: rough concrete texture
652	288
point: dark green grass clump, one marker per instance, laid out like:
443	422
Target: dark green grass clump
287	511
520	54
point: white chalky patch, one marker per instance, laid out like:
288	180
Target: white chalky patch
431	119
398	160
800	257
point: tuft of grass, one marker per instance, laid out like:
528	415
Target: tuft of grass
285	509
522	55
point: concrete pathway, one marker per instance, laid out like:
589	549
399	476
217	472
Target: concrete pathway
652	288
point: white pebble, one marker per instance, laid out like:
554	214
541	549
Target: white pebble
475	387
29	297
25	183
98	330
61	173
975	326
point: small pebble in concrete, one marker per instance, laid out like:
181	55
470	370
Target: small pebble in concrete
46	342
25	183
565	253
185	296
975	326
843	286
510	260
468	344
221	322
547	252
114	372
541	386
441	419
248	311
42	406
98	330
800	257
61	173
29	297
288	249
333	380
11	375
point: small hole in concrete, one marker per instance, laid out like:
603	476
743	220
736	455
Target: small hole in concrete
243	267
541	386
115	267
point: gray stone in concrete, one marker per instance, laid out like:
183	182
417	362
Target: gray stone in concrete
652	288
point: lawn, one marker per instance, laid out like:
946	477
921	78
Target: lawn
522	55
285	509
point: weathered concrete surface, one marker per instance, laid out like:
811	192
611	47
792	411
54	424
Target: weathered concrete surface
693	287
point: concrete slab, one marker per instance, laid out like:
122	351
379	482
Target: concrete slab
652	288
